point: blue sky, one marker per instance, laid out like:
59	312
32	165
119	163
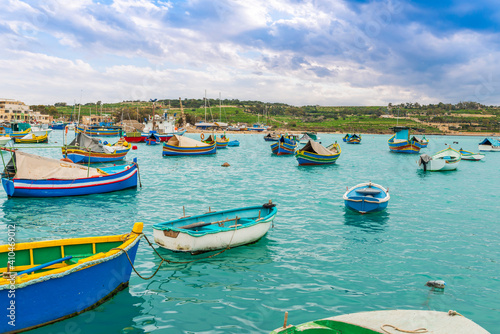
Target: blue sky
325	52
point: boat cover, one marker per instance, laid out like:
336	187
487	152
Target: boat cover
315	147
490	141
181	141
34	167
91	143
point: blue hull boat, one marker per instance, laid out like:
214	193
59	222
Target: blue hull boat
367	197
59	279
233	143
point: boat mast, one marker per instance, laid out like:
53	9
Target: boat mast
205	105
220	109
79	106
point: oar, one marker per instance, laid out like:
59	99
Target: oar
27	271
201	224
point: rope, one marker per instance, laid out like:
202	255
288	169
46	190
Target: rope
452	313
418	330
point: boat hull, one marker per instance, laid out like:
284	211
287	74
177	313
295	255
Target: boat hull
58	188
33	139
489	148
58	298
80	156
367	197
281	148
440	165
311	159
170	150
98	131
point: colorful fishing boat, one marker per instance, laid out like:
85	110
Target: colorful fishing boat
285	146
84	149
215	230
468	155
352	138
57	279
313	153
222	141
180	145
153	139
489	145
424	142
367	197
389	321
31	138
98	130
29	175
272	137
400	142
444	160
233	143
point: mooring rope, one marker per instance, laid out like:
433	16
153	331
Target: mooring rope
418	330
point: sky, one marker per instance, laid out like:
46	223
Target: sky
311	52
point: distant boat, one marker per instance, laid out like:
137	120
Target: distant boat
180	145
312	135
84	149
272	137
222	141
58	279
305	139
400	142
153	139
352	139
4	140
215	230
98	130
285	146
257	127
31	138
489	145
29	175
374	322
233	128
58	125
313	153
233	143
444	160
367	197
468	155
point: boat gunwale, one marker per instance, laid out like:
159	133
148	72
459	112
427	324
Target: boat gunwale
382	200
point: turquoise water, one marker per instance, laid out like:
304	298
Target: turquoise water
319	260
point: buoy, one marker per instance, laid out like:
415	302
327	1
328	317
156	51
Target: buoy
225	164
105	143
436	284
134	147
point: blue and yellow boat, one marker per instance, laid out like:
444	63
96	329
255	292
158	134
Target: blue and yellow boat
285	146
180	145
48	281
400	142
98	130
222	141
352	139
313	153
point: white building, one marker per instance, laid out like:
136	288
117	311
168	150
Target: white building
12	110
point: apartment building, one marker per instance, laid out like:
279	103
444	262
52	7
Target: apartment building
13	111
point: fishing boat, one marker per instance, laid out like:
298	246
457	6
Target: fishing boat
313	153
366	197
272	136
257	127
312	135
468	155
444	160
424	142
84	149
222	141
180	145
31	138
153	139
489	145
215	230
163	126
20	130
29	175
285	146
4	140
233	143
305	139
388	321
352	139
58	279
233	128
58	125
99	130
400	142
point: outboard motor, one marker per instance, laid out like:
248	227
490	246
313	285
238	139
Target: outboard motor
424	159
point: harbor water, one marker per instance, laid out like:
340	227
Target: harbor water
319	260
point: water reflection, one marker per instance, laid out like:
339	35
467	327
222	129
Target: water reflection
370	222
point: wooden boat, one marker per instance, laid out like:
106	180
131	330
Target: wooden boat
163	126
444	160
180	145
389	321
352	139
305	139
215	230
489	145
272	137
222	142
98	130
285	146
313	153
58	125
31	138
312	135
233	143
29	175
367	197
4	140
59	279
84	149
400	142
468	155
153	139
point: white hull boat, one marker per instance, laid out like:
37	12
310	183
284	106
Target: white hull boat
445	160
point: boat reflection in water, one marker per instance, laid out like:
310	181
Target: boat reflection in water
372	223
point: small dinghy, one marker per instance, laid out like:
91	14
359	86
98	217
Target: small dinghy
447	159
390	321
233	143
468	155
215	230
367	197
